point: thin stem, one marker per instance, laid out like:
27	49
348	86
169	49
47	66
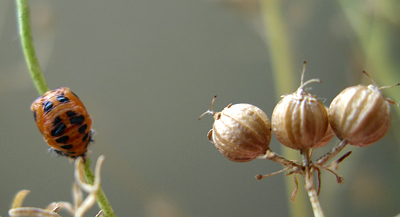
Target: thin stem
101	197
28	46
335	150
41	86
270	155
259	176
313	195
310	187
278	41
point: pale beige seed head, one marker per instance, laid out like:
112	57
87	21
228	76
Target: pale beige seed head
360	114
327	137
300	120
241	132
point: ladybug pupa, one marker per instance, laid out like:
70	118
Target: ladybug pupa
64	122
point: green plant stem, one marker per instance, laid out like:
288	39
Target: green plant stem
41	86
277	41
101	197
28	46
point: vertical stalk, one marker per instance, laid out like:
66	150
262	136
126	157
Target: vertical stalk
310	187
278	42
277	39
101	197
312	194
40	84
28	46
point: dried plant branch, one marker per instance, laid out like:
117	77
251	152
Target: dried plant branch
331	154
270	155
309	179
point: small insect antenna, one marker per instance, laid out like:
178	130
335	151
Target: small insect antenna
302	83
302	73
370	78
383	87
389	86
387	99
210	111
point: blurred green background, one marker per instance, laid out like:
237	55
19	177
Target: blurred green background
146	70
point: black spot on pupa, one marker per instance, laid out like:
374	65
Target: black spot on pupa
82	128
90	139
71	113
62	99
34	115
48	106
85	137
67	146
56	121
77	120
58	130
62	139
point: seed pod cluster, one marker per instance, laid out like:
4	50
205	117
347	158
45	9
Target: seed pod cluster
360	114
299	121
241	132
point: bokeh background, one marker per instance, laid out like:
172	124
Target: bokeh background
146	70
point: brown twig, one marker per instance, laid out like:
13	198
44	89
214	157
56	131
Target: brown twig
309	179
331	154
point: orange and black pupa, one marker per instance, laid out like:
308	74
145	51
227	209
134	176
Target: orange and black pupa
64	122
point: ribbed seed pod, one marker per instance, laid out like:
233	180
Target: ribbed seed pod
241	132
327	137
300	120
360	114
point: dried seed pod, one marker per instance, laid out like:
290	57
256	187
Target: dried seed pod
327	137
300	120
360	114
241	132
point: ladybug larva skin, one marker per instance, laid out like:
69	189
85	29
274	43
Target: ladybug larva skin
64	122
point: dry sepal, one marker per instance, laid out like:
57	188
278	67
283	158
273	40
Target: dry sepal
360	114
241	132
300	120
